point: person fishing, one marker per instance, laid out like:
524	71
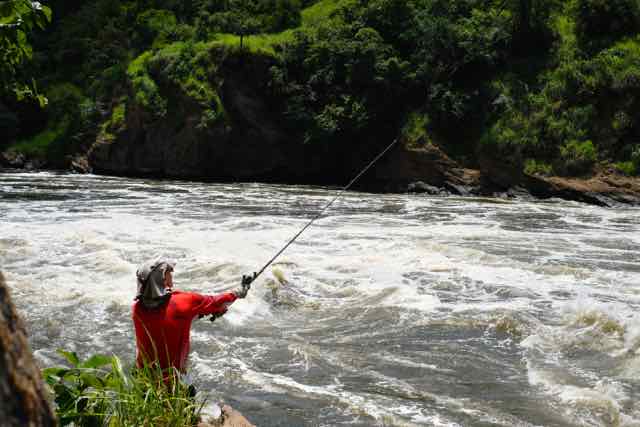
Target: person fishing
162	317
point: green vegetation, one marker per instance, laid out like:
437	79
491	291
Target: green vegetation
414	131
40	144
145	90
534	167
98	391
18	20
545	86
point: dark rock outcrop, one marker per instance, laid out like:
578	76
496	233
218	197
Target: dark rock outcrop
249	145
10	159
606	188
420	187
24	401
421	169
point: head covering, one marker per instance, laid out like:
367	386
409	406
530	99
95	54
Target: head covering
151	290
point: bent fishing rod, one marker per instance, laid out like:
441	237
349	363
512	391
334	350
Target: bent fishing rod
322	211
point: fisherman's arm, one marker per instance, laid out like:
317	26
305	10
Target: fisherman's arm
218	304
203	305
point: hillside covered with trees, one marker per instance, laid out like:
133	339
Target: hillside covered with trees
304	91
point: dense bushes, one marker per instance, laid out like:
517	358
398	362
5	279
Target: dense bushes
601	22
72	121
247	16
544	85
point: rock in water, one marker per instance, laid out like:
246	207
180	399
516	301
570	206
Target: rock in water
229	418
22	393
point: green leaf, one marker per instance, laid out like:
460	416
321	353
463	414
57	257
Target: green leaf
53	375
71	357
42	100
47	12
116	365
96	361
91	380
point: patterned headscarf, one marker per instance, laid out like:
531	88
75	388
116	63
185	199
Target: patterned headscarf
151	290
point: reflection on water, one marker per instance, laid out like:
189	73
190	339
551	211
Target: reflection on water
397	309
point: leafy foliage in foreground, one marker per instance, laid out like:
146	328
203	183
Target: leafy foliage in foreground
18	19
98	391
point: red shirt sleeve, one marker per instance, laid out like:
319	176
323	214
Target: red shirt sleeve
210	304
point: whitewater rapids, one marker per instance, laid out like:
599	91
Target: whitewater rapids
398	309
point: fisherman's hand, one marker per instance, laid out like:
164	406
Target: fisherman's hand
246	285
248	279
214	316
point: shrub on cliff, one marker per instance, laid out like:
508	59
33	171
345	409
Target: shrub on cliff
632	166
153	24
71	121
577	157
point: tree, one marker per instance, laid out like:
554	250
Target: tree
18	18
243	24
600	22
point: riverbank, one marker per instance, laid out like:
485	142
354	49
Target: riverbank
425	170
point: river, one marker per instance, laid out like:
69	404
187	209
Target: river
398	310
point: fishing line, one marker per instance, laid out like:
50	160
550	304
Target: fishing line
319	214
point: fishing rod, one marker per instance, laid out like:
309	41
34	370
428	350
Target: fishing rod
319	214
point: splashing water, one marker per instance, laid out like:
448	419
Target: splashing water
390	310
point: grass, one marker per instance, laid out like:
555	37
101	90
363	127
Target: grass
312	16
99	391
259	43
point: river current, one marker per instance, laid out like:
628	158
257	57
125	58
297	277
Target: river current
397	310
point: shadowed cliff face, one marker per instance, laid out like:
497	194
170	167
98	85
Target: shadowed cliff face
246	144
253	143
24	401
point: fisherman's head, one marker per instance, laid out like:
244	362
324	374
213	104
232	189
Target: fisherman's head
155	281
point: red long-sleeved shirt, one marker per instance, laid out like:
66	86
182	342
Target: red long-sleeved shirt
162	334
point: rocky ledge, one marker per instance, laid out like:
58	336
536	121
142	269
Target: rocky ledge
429	170
423	170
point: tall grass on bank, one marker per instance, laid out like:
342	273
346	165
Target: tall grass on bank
100	392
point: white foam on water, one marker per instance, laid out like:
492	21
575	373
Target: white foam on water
603	402
423	258
401	361
354	402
